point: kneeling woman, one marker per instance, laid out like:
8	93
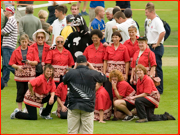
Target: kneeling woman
121	91
41	90
147	98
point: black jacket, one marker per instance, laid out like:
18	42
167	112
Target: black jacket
81	83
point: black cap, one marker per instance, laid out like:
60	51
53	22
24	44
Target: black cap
69	18
128	12
81	59
142	38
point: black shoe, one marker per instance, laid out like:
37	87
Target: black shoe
114	119
169	117
141	120
128	118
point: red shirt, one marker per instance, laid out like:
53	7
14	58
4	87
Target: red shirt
42	86
121	54
61	91
132	48
124	89
16	57
44	53
143	59
93	55
145	86
64	58
103	101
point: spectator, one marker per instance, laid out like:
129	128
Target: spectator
123	5
68	29
109	25
109	14
2	84
145	57
77	41
81	82
9	33
42	14
8	4
121	90
98	22
147	98
103	104
41	90
155	36
59	23
74	10
23	60
40	38
95	52
60	58
51	10
83	11
28	24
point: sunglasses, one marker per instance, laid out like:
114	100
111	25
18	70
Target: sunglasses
60	42
40	37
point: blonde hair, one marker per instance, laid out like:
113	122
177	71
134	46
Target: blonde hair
24	37
42	14
140	66
116	73
150	7
59	37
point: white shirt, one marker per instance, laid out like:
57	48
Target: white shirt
123	27
154	28
58	25
109	31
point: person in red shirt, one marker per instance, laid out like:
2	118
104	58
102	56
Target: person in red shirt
41	48
23	59
147	98
41	90
103	104
60	58
132	46
95	52
121	90
145	57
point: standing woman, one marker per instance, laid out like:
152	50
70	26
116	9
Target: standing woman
95	52
145	57
147	98
41	90
23	59
41	48
60	58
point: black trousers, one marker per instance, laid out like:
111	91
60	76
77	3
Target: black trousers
145	109
22	87
32	111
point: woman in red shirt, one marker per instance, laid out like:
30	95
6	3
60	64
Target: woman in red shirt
41	90
23	59
121	90
60	58
95	52
147	98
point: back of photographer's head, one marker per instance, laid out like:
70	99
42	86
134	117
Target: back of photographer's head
81	60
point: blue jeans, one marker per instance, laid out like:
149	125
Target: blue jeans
159	51
6	55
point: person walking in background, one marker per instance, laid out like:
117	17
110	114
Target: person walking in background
83	11
51	10
81	82
10	34
123	5
155	35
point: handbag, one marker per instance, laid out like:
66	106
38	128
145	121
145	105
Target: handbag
155	79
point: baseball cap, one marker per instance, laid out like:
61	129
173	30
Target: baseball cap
81	59
11	9
69	18
128	12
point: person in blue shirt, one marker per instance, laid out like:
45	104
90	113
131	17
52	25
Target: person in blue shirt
98	22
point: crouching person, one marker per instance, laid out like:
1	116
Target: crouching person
103	104
41	90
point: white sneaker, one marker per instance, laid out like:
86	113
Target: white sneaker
40	110
14	113
54	112
25	110
47	117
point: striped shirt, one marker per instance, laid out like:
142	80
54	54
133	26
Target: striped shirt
10	33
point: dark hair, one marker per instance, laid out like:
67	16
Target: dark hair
115	10
50	67
96	32
119	14
116	33
61	8
65	9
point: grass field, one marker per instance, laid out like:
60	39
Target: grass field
169	99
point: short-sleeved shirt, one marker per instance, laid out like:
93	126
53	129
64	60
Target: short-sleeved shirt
64	58
93	55
61	91
121	54
94	4
100	25
103	101
143	59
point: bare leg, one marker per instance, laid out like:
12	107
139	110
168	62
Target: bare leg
20	105
84	7
121	105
